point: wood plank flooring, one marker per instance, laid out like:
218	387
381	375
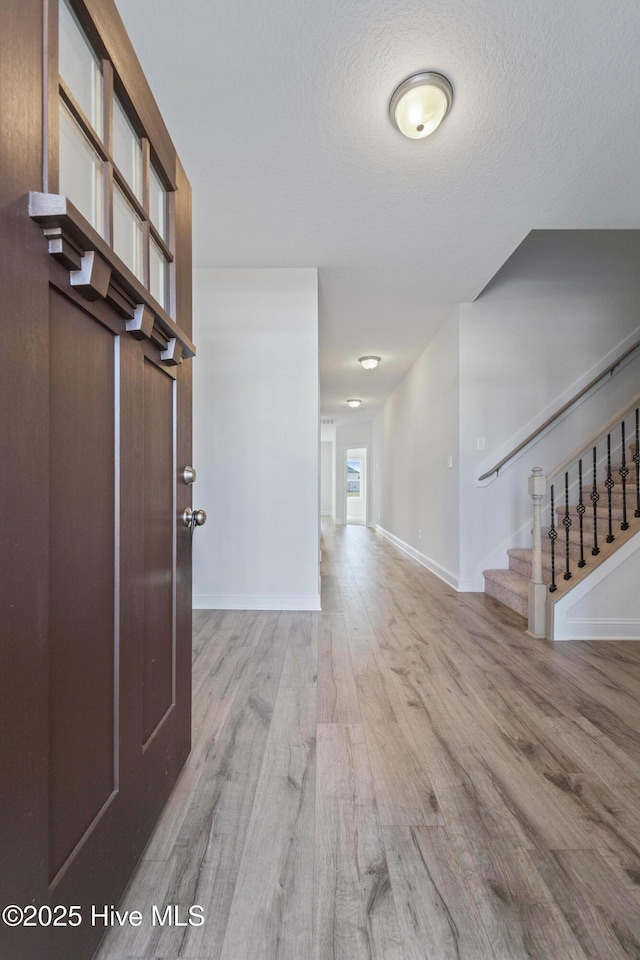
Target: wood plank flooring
404	776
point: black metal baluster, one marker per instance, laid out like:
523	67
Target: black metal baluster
624	473
594	497
580	510
553	533
636	460
567	527
609	484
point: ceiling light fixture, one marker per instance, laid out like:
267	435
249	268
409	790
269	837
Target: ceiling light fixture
369	363
420	104
354	403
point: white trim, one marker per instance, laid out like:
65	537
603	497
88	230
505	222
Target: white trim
117	570
212	601
432	565
610	629
596	370
471	586
560	622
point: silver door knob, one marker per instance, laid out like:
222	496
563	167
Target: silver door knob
199	518
194	518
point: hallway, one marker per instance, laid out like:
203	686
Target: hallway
406	775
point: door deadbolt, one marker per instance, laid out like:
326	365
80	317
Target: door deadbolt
189	475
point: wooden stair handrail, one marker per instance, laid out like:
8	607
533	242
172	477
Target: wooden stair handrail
563	409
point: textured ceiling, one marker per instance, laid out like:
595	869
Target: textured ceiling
279	113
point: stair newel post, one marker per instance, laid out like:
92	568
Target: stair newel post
595	496
636	460
566	520
553	534
537	589
609	484
581	509
624	473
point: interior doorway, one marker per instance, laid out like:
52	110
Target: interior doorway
356	485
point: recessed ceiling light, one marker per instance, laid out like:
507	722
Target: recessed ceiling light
369	363
354	403
420	104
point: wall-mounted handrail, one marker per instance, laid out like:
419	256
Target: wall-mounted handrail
563	409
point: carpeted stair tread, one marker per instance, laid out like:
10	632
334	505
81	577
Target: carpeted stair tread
602	510
574	542
588	526
508	587
602	516
574	537
520	562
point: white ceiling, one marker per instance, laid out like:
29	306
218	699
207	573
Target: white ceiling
279	113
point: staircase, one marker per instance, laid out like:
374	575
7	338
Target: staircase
511	586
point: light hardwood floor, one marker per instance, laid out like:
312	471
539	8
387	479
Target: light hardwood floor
405	776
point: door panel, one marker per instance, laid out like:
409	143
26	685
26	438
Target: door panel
24	505
82	632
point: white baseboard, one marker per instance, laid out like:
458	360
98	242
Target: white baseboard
209	601
471	586
461	586
608	629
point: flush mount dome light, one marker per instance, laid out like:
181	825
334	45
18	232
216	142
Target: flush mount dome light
369	363
420	104
354	403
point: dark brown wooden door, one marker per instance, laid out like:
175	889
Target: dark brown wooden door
95	414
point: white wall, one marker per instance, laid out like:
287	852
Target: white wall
351	433
328	435
256	439
416	432
326	478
